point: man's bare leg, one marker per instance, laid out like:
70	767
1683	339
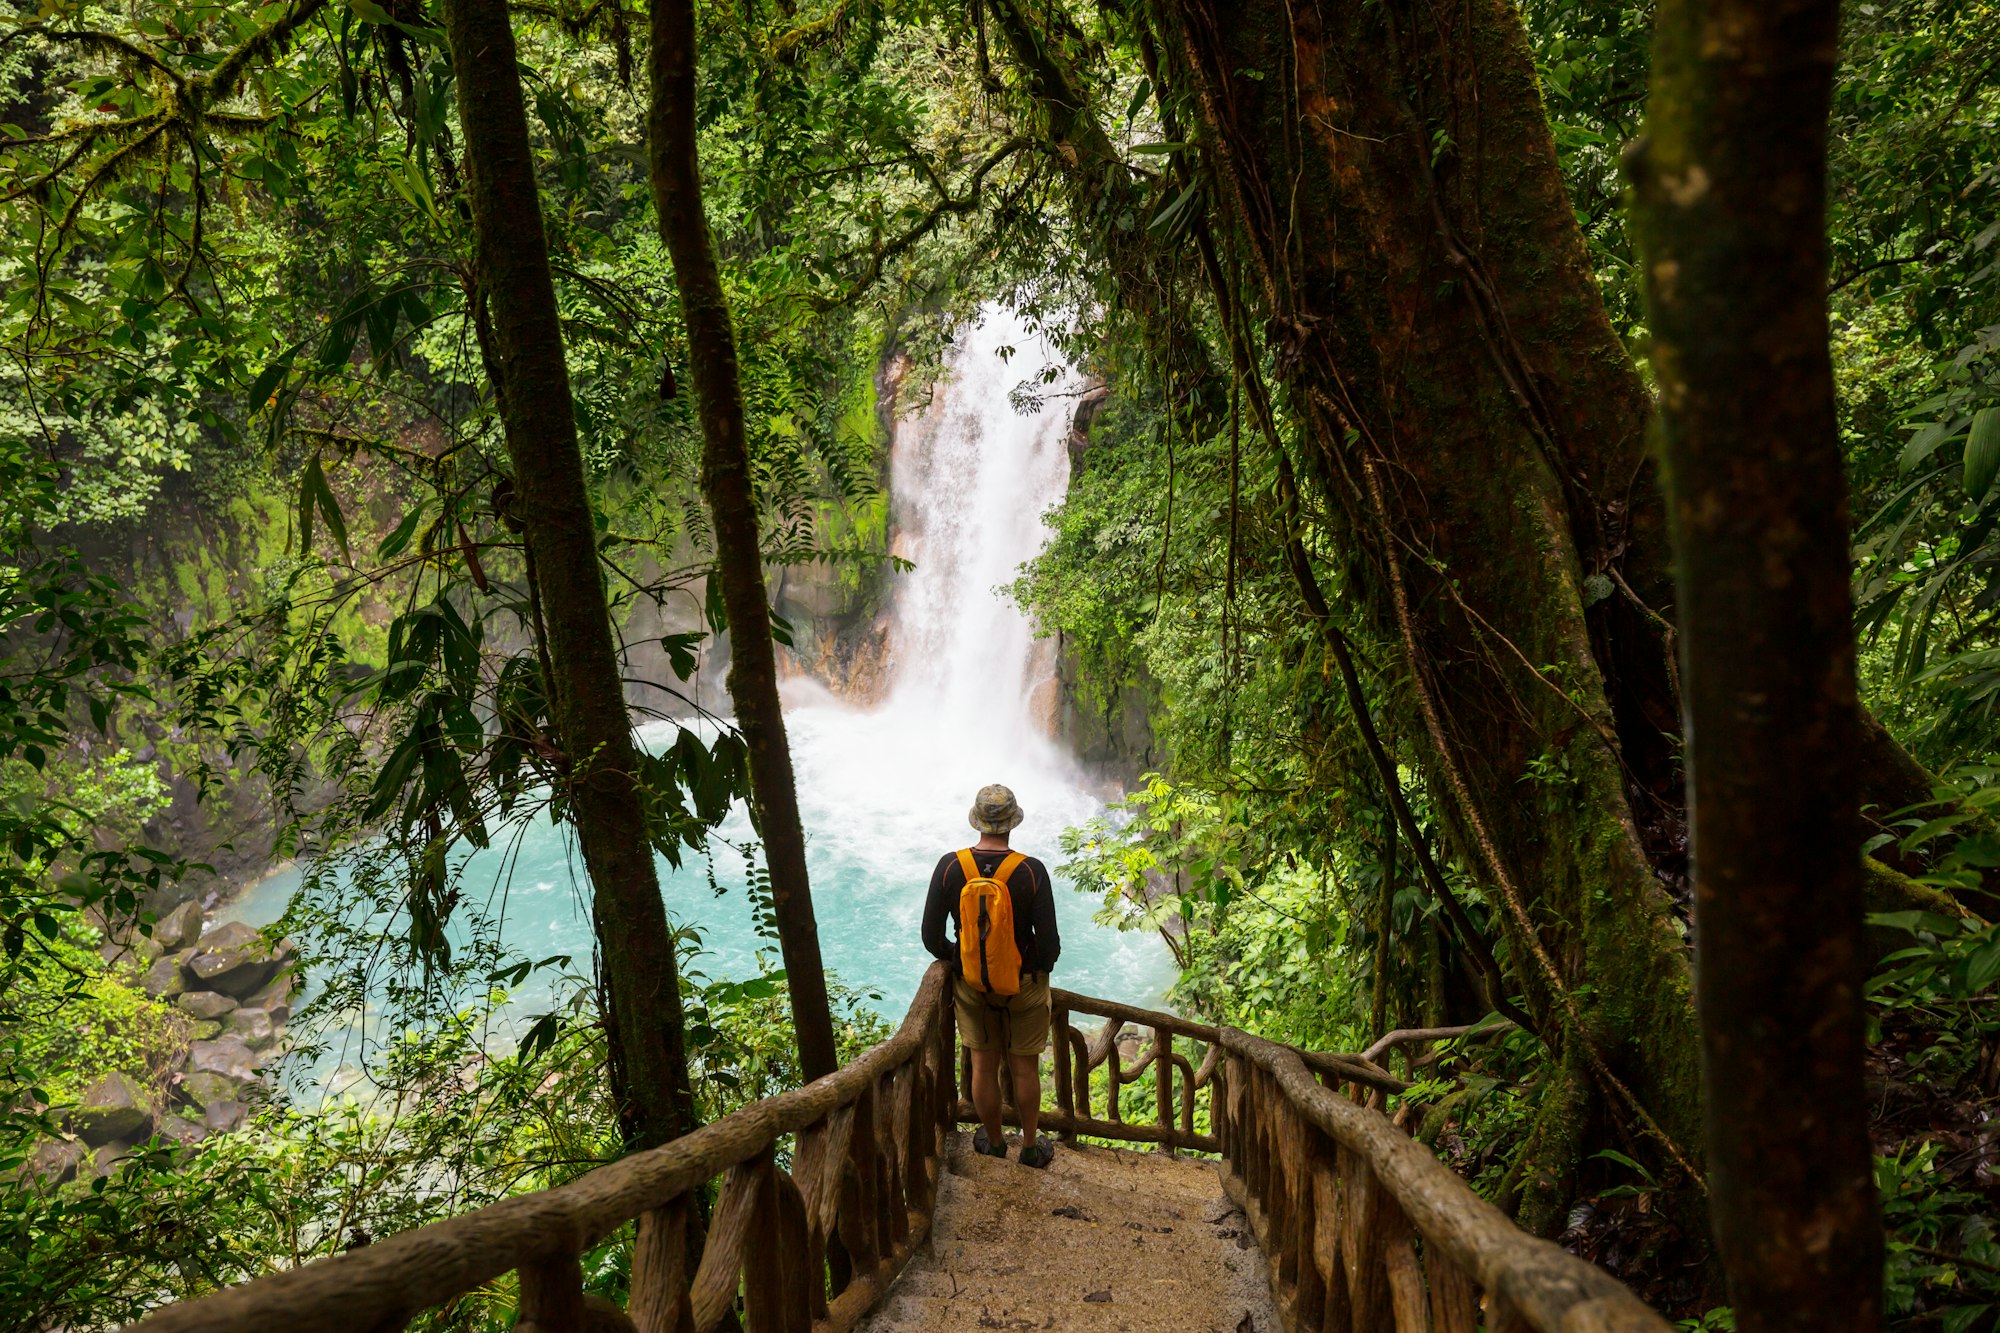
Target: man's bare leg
1027	1093
986	1093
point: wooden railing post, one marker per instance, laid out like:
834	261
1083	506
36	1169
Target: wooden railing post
1309	1282
1079	1074
946	1081
1059	1039
763	1262
893	1214
1114	1064
551	1296
660	1270
1163	1087
1454	1302
801	1261
1329	1223
919	1132
857	1191
1218	1104
718	1277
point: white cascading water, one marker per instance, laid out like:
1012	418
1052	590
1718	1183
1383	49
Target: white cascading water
971	480
883	791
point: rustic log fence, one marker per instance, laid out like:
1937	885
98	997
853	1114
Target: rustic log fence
1177	1082
1364	1230
808	1250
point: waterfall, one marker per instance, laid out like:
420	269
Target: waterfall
970	481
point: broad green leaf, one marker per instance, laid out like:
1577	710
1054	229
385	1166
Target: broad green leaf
1913	922
681	654
1167	219
395	543
1925	442
1982	452
1139	96
266	385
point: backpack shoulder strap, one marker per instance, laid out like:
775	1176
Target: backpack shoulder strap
966	864
1009	866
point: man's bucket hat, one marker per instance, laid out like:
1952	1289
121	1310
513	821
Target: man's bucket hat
994	810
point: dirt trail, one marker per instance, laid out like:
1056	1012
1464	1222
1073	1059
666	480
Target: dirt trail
1104	1241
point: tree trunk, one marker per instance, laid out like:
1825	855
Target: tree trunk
1385	920
524	348
1729	214
1478	432
725	480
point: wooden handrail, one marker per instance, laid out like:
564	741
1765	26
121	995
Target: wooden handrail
1364	1229
1339	1197
870	1134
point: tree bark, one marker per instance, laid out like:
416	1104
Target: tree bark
1385	920
1729	213
524	348
726	483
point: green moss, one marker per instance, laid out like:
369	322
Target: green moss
1546	1167
87	1018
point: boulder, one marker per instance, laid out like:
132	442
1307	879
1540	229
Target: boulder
205	1004
225	1117
205	1029
227	1055
206	1090
180	1130
55	1160
254	1026
180	927
276	998
114	1108
102	1161
164	979
232	959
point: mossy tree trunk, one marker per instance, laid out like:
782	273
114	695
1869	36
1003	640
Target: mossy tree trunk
1729	211
1479	433
726	483
524	349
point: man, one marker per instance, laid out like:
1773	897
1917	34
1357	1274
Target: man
992	1024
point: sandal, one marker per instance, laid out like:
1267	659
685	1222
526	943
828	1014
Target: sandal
982	1144
1038	1154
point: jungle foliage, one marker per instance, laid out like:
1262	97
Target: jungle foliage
243	314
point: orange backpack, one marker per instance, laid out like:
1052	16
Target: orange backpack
989	959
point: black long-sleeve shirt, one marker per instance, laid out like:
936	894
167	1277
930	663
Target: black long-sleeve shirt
1035	933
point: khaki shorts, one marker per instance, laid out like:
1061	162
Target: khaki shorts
1018	1024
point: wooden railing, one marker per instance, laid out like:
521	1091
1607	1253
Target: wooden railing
1364	1230
1177	1082
807	1249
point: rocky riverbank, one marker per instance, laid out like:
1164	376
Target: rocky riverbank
232	991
